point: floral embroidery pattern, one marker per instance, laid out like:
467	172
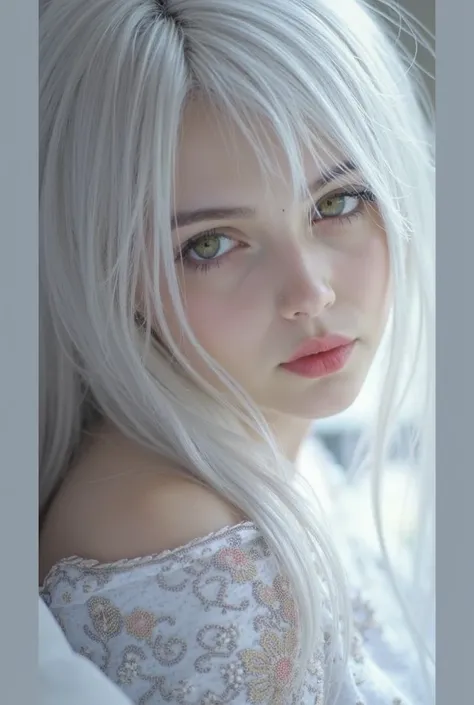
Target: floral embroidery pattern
129	669
273	665
315	684
278	597
210	624
233	675
140	624
106	618
238	563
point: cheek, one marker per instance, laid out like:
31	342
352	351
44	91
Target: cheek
226	320
222	314
362	275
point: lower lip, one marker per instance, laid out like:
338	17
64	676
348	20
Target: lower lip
322	364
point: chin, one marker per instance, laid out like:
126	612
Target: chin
327	398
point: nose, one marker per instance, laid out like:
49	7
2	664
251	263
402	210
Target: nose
306	292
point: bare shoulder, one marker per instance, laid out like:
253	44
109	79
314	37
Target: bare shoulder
129	515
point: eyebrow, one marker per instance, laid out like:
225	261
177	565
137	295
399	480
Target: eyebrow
185	218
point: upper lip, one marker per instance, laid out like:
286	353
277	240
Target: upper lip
313	346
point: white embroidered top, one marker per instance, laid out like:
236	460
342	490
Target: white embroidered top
212	623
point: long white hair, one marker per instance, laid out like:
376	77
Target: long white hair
115	76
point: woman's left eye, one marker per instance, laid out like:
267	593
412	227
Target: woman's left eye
342	204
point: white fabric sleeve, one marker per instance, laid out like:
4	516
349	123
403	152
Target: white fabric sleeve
66	677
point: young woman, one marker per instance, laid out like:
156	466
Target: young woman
236	206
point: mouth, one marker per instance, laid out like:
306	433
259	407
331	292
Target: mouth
320	357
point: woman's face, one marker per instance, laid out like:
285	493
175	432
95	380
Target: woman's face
260	280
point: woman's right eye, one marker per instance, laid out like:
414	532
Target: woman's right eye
206	249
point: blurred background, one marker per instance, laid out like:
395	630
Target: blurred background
340	433
336	437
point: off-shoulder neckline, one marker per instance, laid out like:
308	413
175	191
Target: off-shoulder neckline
95	565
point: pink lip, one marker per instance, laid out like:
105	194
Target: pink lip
319	345
320	356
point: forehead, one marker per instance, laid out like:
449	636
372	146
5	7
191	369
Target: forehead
216	165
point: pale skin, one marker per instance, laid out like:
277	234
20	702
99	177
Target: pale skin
272	280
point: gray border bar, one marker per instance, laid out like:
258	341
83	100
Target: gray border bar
18	364
455	377
18	349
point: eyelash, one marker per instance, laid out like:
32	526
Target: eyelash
364	195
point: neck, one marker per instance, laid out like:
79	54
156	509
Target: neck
290	433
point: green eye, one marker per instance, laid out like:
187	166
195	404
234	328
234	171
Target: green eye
208	246
333	206
342	204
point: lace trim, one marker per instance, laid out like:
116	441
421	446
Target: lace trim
127	563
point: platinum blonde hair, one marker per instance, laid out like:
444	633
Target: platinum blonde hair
115	77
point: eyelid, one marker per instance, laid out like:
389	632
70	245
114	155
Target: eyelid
350	189
361	191
182	249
